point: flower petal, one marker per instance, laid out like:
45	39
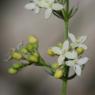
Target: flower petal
71	55
77	69
83	46
57	6
65	45
82	39
30	6
61	59
51	1
48	13
83	61
70	63
72	37
56	50
37	9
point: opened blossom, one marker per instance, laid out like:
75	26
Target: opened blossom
68	54
77	64
63	52
78	42
51	5
33	6
48	5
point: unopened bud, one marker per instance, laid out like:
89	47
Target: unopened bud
29	47
80	51
33	58
16	55
32	39
17	66
12	71
23	50
55	65
50	52
58	73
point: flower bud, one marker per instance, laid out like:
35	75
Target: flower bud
32	39
12	71
55	65
16	55
33	58
80	51
50	52
17	66
29	47
58	73
23	50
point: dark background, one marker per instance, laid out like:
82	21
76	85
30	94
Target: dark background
17	24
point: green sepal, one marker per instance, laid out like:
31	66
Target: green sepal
73	12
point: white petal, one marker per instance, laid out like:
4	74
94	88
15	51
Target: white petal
48	13
77	69
66	45
51	1
71	55
30	6
57	6
83	46
72	37
42	3
56	50
70	63
82	39
83	61
37	9
61	59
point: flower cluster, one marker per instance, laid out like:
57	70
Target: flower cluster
70	53
48	5
24	55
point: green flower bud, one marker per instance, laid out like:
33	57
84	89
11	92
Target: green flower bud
55	65
32	39
29	47
58	73
17	66
80	51
12	71
50	52
23	50
16	55
33	58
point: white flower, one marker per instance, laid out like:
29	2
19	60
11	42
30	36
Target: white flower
78	42
33	6
77	64
64	52
50	6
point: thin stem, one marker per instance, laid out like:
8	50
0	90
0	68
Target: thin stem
66	26
64	88
66	30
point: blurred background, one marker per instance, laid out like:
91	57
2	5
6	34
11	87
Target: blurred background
17	24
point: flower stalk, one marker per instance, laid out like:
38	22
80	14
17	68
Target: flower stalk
66	27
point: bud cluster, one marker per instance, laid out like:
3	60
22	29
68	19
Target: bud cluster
24	55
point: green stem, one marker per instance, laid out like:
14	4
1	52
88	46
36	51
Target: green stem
64	87
66	26
66	30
